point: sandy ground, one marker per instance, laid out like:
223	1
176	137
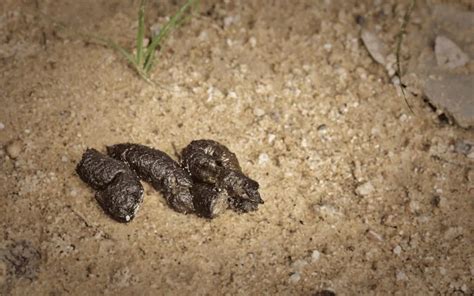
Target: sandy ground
361	195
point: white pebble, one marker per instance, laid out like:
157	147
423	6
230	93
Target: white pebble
397	250
232	95
64	158
298	265
253	42
294	278
271	138
263	158
315	256
228	20
401	276
365	189
14	149
203	36
327	46
304	143
2	126
258	112
414	206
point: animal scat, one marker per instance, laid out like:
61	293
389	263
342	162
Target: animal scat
160	170
206	159
211	162
119	192
242	206
208	201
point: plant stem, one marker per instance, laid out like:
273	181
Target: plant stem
140	31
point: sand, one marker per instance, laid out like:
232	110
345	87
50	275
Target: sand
361	195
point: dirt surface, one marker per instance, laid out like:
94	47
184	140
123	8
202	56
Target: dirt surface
361	195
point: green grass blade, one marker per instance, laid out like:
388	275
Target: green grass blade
140	31
164	32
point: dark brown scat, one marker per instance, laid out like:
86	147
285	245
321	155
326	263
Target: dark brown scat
119	192
160	170
211	162
208	201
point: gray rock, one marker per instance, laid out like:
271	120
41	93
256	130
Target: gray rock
455	95
365	189
315	256
463	147
375	46
14	149
448	54
294	278
299	265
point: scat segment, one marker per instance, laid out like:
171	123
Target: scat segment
211	162
160	170
208	201
119	192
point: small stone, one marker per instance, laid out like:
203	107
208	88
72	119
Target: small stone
322	129
14	149
448	54
401	276
403	117
271	138
2	126
365	189
258	112
315	256
397	250
73	192
298	265
463	147
471	155
442	271
453	94
229	20
203	36
414	206
375	46
374	236
470	175
464	288
294	278
64	158
304	143
253	41
263	158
